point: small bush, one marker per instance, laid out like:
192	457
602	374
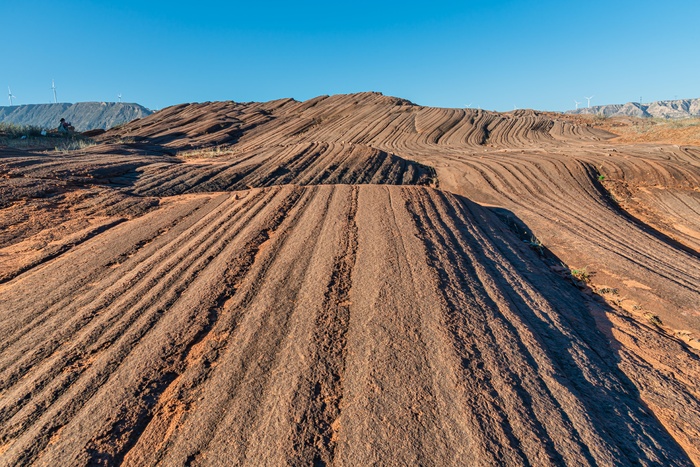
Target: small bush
581	274
536	245
653	319
14	131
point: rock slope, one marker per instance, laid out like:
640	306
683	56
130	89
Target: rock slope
282	283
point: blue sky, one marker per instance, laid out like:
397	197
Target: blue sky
492	54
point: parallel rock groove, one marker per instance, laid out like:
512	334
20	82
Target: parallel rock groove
278	284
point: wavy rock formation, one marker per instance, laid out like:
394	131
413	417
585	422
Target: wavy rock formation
269	283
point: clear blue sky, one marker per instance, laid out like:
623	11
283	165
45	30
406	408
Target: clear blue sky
493	54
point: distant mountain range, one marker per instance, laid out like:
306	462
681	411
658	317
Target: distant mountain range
83	115
682	108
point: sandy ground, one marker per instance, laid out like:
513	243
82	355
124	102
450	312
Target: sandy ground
350	280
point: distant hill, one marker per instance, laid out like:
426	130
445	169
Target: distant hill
83	115
682	108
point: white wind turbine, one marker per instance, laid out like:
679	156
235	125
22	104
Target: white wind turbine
469	105
577	103
53	88
119	96
10	96
589	101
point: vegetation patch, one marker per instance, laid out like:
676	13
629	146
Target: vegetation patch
34	137
204	153
74	143
14	131
581	274
653	319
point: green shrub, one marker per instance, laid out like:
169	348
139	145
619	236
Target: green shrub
14	131
581	274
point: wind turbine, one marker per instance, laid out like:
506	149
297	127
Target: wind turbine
119	96
10	96
589	101
53	88
577	103
469	105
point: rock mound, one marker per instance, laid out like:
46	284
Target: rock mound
273	283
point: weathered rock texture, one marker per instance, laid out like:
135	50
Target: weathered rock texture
284	284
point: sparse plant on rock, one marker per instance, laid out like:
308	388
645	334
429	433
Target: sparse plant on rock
203	153
74	144
653	319
581	274
536	245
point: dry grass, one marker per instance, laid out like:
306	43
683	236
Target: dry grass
204	153
28	137
74	144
